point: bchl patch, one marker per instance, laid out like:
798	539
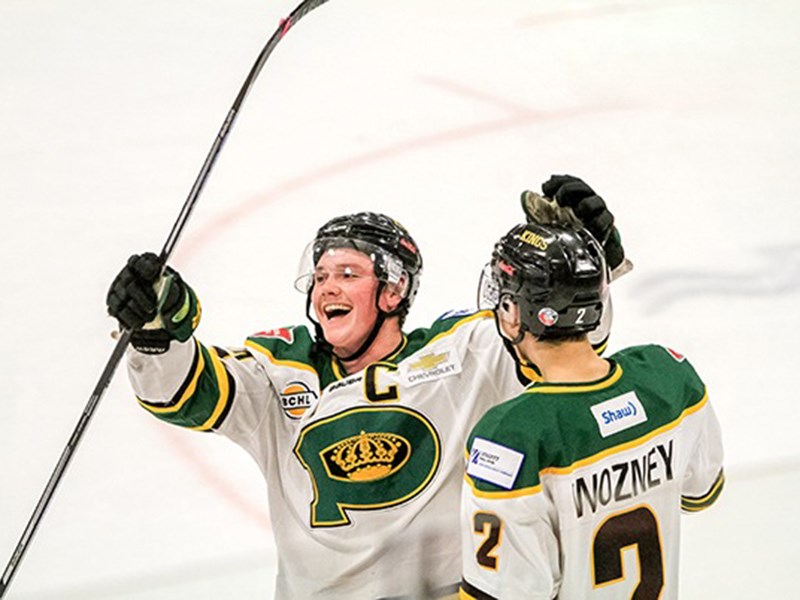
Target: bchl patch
494	463
282	333
430	367
296	399
618	414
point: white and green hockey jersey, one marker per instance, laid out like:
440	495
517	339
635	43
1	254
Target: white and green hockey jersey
574	491
364	472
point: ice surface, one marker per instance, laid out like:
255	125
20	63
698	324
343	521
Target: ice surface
683	115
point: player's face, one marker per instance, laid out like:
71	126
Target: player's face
344	298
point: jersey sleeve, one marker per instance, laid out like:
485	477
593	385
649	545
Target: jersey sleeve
510	545
195	386
704	476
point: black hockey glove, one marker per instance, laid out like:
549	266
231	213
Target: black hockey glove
573	193
132	299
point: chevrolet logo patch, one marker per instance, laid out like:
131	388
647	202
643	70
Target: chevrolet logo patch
431	366
429	361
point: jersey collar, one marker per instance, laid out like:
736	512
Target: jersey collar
614	375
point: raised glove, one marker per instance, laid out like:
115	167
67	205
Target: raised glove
156	308
573	193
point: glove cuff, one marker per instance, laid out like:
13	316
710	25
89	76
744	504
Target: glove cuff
182	318
612	246
151	341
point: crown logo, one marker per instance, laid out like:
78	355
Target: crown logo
366	456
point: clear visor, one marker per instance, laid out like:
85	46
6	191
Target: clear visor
488	289
341	266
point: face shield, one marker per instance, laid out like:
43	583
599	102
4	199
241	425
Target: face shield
504	306
385	266
488	289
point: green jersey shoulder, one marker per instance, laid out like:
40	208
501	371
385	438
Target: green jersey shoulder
555	426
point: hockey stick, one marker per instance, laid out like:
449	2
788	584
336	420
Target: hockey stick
166	252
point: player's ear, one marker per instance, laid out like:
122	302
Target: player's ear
508	317
390	298
393	294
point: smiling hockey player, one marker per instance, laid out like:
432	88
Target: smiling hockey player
357	427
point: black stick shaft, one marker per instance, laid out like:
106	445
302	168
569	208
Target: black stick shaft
64	460
286	24
169	246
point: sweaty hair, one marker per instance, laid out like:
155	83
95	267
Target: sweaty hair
555	339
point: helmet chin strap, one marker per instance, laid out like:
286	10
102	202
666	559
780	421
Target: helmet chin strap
370	339
373	334
319	335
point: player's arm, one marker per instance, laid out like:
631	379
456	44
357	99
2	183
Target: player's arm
705	477
174	376
509	545
196	386
506	553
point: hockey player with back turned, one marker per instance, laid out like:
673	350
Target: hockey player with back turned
357	427
574	488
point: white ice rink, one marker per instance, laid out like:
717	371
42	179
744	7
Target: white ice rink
683	114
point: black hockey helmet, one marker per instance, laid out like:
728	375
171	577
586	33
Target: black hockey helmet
395	255
555	274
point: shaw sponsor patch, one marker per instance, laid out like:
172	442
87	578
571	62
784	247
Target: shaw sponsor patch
296	399
494	463
618	414
431	366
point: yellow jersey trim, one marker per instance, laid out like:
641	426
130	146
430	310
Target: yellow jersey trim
222	400
282	363
483	314
697	504
556	388
188	392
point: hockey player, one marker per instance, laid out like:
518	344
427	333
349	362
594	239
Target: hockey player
357	427
573	489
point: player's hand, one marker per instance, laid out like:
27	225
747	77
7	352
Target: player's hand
573	193
156	307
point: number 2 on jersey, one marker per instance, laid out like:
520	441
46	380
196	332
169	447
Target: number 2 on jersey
634	528
488	525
